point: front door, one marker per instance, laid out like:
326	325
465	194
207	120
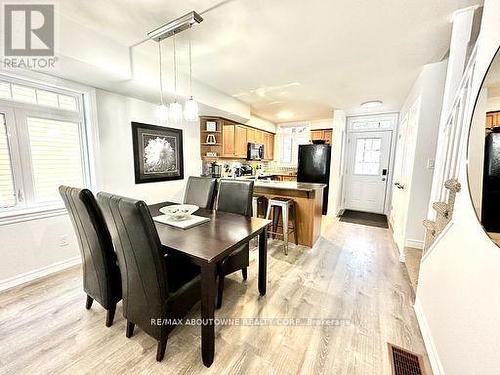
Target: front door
367	170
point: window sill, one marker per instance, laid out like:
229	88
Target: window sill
28	214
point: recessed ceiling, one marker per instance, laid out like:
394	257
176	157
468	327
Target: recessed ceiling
303	57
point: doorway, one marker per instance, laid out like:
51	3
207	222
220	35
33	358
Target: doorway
368	159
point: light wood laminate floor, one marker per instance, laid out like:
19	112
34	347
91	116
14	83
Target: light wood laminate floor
352	273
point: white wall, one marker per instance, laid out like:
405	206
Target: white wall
116	163
458	301
336	181
430	89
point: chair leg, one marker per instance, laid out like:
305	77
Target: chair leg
88	304
110	315
244	273
276	219
220	291
160	349
130	329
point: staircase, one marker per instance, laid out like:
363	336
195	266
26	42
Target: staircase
444	213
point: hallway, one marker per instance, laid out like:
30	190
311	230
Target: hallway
353	275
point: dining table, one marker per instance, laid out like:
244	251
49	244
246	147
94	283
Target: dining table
206	245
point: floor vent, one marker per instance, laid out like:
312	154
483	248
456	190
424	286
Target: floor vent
404	362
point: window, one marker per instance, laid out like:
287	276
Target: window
290	138
43	145
368	153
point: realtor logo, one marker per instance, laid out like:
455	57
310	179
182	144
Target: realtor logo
29	29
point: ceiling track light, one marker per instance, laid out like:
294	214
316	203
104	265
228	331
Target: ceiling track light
175	27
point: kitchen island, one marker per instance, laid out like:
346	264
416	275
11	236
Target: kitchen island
308	199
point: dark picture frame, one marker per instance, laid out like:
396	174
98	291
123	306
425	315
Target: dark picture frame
158	153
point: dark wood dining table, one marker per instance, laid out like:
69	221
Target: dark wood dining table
206	245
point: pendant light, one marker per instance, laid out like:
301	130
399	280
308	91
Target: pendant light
162	110
175	109
191	105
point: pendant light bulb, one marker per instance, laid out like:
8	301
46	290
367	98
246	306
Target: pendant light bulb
175	112
191	109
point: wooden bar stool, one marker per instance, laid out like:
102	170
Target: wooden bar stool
285	207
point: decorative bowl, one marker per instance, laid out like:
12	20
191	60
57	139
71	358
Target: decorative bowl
179	211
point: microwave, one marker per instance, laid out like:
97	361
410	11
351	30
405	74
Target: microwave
255	151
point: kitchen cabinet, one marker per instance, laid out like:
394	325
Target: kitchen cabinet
268	146
322	135
251	135
227	139
240	141
492	119
232	140
259	136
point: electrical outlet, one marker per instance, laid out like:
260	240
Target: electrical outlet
63	240
430	163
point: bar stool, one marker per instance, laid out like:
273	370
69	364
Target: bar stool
256	200
287	208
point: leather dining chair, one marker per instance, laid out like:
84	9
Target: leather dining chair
235	196
200	191
156	286
101	275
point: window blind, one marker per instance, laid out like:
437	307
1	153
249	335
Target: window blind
56	156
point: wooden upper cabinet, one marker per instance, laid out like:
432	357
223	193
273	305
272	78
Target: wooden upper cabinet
492	119
250	135
268	146
228	130
327	136
322	135
240	141
259	137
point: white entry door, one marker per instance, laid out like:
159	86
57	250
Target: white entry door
367	170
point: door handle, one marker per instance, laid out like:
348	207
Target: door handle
398	185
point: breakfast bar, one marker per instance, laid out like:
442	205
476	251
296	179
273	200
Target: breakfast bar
308	199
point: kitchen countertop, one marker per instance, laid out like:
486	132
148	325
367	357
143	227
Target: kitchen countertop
289	185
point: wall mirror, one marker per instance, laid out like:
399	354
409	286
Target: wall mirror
484	153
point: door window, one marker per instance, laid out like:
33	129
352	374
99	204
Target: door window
367	160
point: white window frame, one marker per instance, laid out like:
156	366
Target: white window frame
86	117
282	132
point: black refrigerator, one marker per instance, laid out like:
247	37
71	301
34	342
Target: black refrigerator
314	166
491	184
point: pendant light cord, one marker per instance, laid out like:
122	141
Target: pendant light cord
175	70
161	77
190	67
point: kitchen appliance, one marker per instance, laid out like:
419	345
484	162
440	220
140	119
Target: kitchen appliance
491	183
255	151
314	166
215	170
246	170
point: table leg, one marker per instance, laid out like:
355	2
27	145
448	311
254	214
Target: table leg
263	262
208	286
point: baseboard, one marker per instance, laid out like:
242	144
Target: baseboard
416	244
36	274
437	367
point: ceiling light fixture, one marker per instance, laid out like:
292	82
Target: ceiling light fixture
371	104
191	106
174	111
285	115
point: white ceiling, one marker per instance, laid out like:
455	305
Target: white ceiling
305	57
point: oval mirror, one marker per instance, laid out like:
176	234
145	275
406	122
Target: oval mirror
483	170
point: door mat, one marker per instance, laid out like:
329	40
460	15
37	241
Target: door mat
364	218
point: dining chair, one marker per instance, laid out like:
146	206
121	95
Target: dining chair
200	191
101	275
157	287
235	196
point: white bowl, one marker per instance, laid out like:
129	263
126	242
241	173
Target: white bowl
179	211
